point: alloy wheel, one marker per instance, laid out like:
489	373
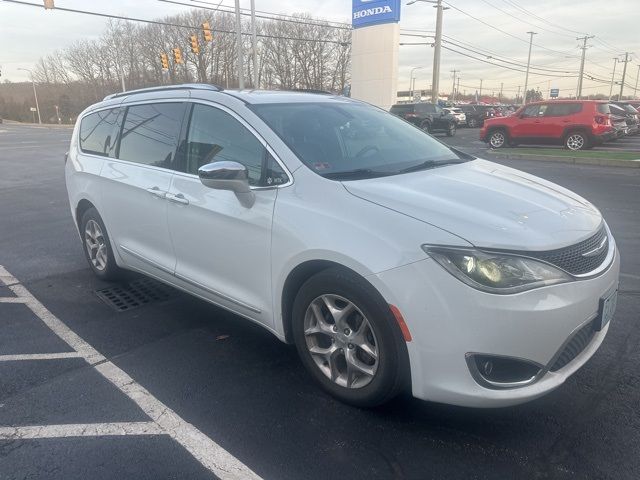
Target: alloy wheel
575	141
96	245
497	139
341	341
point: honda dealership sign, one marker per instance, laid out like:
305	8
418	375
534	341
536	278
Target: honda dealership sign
374	12
374	51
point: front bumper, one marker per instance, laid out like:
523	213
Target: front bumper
447	319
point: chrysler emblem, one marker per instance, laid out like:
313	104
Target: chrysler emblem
597	250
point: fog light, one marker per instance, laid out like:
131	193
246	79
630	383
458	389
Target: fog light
494	371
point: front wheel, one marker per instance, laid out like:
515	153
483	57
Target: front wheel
498	139
576	141
472	122
346	338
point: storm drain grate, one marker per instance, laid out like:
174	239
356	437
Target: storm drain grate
135	294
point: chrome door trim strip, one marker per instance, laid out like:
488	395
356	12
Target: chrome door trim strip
146	260
216	293
191	282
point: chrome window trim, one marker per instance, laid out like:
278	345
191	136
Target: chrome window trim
255	133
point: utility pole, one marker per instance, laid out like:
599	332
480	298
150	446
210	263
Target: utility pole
35	95
458	87
624	74
615	62
584	51
254	44
240	64
500	94
480	94
518	94
526	78
453	90
635	90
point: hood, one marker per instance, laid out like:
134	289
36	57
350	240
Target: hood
488	205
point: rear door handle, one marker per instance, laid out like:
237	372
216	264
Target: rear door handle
177	198
156	192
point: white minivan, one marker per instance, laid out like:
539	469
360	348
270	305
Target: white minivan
390	260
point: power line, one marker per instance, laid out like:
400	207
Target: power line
299	21
177	25
279	15
539	18
507	33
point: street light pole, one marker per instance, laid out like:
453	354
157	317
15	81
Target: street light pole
526	78
615	62
35	95
412	81
240	64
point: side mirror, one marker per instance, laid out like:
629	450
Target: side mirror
227	175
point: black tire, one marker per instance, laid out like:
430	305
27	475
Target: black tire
498	138
110	271
426	126
472	123
392	364
577	140
451	131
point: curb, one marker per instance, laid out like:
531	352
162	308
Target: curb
39	125
603	162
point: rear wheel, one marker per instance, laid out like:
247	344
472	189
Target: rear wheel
346	338
498	138
472	122
576	141
97	246
426	126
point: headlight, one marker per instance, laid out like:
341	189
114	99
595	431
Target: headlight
496	272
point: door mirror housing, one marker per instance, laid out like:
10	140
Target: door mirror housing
228	175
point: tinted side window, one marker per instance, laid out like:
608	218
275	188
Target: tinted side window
214	136
562	109
97	132
531	111
603	108
150	134
401	109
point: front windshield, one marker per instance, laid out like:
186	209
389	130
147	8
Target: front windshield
349	140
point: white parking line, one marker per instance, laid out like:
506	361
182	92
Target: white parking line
211	455
12	300
80	430
39	356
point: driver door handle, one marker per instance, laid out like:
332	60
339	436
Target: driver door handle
177	198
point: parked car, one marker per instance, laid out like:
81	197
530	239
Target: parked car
477	114
459	115
618	120
429	117
577	124
389	259
631	115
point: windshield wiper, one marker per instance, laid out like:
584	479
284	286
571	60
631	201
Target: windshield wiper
356	174
430	164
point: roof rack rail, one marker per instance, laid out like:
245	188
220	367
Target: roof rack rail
184	86
311	90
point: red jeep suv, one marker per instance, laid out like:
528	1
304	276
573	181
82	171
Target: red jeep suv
576	124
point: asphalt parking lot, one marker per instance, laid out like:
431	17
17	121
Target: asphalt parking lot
178	388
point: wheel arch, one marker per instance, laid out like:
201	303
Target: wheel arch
83	206
575	128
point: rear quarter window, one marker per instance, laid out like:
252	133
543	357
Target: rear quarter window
97	132
603	108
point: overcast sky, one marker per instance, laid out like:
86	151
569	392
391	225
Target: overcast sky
26	33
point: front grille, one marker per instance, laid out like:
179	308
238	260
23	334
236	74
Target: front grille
574	347
571	259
